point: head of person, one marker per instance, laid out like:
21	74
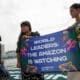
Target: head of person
75	10
25	27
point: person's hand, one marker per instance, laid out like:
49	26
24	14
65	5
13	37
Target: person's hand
18	65
26	37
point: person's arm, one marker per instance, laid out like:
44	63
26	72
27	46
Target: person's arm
18	61
18	54
26	37
62	67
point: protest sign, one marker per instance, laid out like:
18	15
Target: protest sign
51	53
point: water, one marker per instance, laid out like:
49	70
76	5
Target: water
10	62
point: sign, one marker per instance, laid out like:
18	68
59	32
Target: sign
54	52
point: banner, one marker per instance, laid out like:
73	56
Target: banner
54	52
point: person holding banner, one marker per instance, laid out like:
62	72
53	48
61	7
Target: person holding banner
26	34
75	13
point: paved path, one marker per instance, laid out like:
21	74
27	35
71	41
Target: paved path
15	75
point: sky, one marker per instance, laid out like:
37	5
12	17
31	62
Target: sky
45	16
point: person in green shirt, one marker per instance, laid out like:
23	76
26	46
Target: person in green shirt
26	33
75	13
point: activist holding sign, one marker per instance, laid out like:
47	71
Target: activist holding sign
26	33
75	13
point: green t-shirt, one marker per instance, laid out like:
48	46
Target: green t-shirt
76	26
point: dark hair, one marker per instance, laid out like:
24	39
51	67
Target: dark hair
75	5
26	23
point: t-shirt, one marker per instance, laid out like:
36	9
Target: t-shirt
76	26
